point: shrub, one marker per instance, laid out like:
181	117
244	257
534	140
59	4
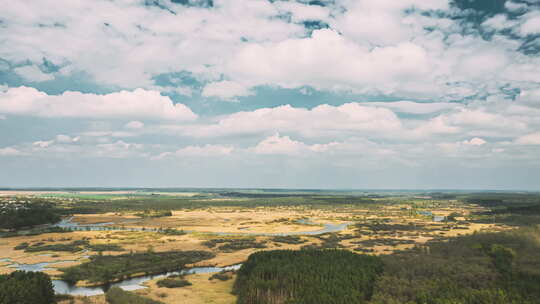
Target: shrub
173	283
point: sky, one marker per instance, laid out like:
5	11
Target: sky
361	94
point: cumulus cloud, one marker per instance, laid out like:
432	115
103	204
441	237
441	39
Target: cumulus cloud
530	97
414	107
296	62
10	151
378	47
133	42
382	22
531	25
303	12
134	125
322	120
499	22
80	147
124	104
277	144
32	73
465	91
529	139
226	90
474	142
514	6
198	151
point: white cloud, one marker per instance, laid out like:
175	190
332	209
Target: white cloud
530	98
322	120
134	125
226	90
32	73
499	22
376	47
198	151
61	138
413	107
382	22
277	144
10	151
124	104
293	63
515	7
133	42
529	139
531	25
43	143
302	12
474	142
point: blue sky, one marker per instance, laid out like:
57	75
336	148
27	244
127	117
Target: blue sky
257	93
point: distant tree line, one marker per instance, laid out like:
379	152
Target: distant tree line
16	216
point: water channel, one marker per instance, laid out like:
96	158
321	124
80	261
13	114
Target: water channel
62	287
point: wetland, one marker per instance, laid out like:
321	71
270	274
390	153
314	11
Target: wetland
92	242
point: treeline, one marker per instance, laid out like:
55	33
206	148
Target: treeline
22	287
166	204
490	268
516	209
16	215
306	276
103	269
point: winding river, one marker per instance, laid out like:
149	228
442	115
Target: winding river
69	224
62	287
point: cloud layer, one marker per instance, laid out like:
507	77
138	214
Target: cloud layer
320	90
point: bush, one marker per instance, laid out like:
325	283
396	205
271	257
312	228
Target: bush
21	246
171	231
223	275
173	283
289	239
105	247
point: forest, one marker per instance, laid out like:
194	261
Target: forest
306	276
22	215
483	268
